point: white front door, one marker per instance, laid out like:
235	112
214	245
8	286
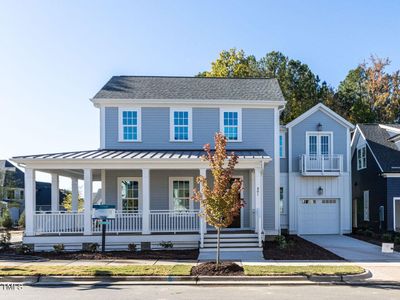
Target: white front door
318	216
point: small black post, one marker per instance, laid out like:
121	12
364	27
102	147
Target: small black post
103	236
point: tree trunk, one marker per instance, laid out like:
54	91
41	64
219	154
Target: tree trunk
218	244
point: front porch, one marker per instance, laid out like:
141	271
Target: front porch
152	197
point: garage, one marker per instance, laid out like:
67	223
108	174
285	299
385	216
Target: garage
318	216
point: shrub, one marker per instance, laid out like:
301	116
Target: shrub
387	238
23	249
397	240
6	221
166	245
58	248
92	247
368	233
5	240
21	221
132	247
281	240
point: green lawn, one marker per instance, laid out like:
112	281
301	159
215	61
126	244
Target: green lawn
137	270
301	270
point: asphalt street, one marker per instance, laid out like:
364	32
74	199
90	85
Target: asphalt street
200	292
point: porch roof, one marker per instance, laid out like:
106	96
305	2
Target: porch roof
95	155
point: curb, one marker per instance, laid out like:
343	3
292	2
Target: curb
358	279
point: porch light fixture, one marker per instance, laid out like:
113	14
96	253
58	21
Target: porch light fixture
319	127
320	191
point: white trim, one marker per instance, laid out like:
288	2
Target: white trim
366	213
87	203
394	212
391	175
171	124
103	186
102	127
277	172
318	134
221	122
323	108
140	195
192	102
363	166
139	124
170	190
282	134
389	128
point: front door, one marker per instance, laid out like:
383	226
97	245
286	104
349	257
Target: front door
236	220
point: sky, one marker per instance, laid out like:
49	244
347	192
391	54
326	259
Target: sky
55	55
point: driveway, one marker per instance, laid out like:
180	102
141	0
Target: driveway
352	249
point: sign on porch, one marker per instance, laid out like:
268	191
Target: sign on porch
103	211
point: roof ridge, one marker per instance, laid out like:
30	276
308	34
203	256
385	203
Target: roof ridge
192	77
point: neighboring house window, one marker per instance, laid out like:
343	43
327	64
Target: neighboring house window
231	124
130	125
10	194
282	145
319	143
129	194
181	125
181	193
361	158
281	200
21	194
366	205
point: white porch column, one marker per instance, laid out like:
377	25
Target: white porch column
146	201
30	201
88	176
259	205
55	193
253	217
203	224
103	186
75	193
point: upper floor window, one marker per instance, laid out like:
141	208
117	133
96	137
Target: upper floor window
361	158
282	145
319	143
231	124
180	125
130	125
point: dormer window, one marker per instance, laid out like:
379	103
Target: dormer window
180	125
130	125
231	124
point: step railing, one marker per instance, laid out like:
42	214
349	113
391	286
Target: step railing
174	221
58	222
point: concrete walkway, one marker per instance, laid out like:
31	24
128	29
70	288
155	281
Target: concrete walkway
352	249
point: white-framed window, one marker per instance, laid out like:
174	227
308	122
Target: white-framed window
282	145
366	205
319	143
130	124
129	194
281	200
180	124
231	124
180	193
361	157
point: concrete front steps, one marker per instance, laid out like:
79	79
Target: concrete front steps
234	246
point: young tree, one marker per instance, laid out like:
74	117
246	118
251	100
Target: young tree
67	202
221	202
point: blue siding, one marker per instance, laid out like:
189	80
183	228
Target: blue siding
310	124
284	161
393	190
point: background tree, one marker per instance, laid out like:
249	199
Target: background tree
221	202
67	202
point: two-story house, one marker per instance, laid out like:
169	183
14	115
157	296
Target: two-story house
152	131
376	177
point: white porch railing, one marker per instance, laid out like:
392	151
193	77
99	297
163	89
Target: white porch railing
321	164
174	221
58	222
123	222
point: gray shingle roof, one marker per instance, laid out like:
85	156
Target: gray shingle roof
386	152
140	154
201	88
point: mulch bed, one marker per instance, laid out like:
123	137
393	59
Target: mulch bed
223	269
146	254
373	240
299	250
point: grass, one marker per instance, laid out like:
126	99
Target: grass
301	270
170	270
137	270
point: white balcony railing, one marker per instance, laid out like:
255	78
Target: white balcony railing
174	221
123	222
58	222
324	165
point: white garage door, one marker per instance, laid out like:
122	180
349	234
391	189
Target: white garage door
318	216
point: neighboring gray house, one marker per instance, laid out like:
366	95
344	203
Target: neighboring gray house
152	131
